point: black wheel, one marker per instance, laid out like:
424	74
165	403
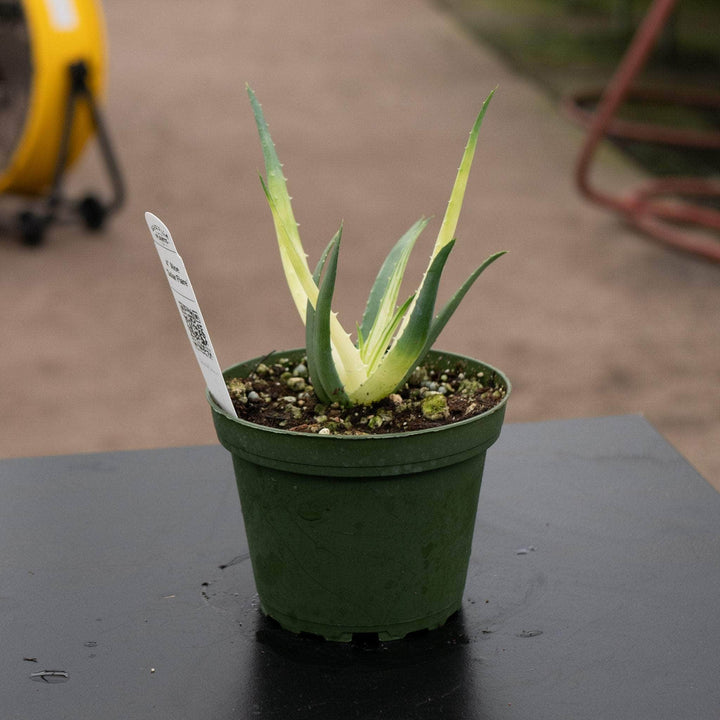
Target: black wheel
32	228
93	212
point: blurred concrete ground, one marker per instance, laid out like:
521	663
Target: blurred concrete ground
370	104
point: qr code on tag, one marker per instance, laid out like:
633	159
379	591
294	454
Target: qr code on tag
197	331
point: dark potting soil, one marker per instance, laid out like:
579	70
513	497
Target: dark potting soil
280	395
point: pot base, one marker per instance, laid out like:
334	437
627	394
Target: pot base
335	633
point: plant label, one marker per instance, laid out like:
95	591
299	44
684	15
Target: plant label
190	314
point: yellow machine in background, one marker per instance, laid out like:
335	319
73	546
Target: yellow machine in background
52	75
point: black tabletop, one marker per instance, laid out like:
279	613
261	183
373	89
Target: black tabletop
594	592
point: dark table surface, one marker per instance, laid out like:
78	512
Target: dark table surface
594	592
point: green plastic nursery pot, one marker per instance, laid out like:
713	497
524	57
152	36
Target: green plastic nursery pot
362	533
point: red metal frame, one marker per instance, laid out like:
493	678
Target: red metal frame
659	208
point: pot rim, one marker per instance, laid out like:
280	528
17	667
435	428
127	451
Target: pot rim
500	407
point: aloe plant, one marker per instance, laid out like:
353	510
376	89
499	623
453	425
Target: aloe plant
391	340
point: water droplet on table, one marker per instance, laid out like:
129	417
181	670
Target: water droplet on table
50	676
529	633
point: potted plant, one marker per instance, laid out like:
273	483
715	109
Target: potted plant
359	464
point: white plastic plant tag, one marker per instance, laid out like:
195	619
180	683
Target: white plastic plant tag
189	308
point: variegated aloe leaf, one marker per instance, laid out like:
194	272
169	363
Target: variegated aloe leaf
446	233
374	358
446	313
323	372
438	324
452	212
297	273
380	312
402	355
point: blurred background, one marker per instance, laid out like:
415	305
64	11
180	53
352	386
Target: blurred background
369	104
